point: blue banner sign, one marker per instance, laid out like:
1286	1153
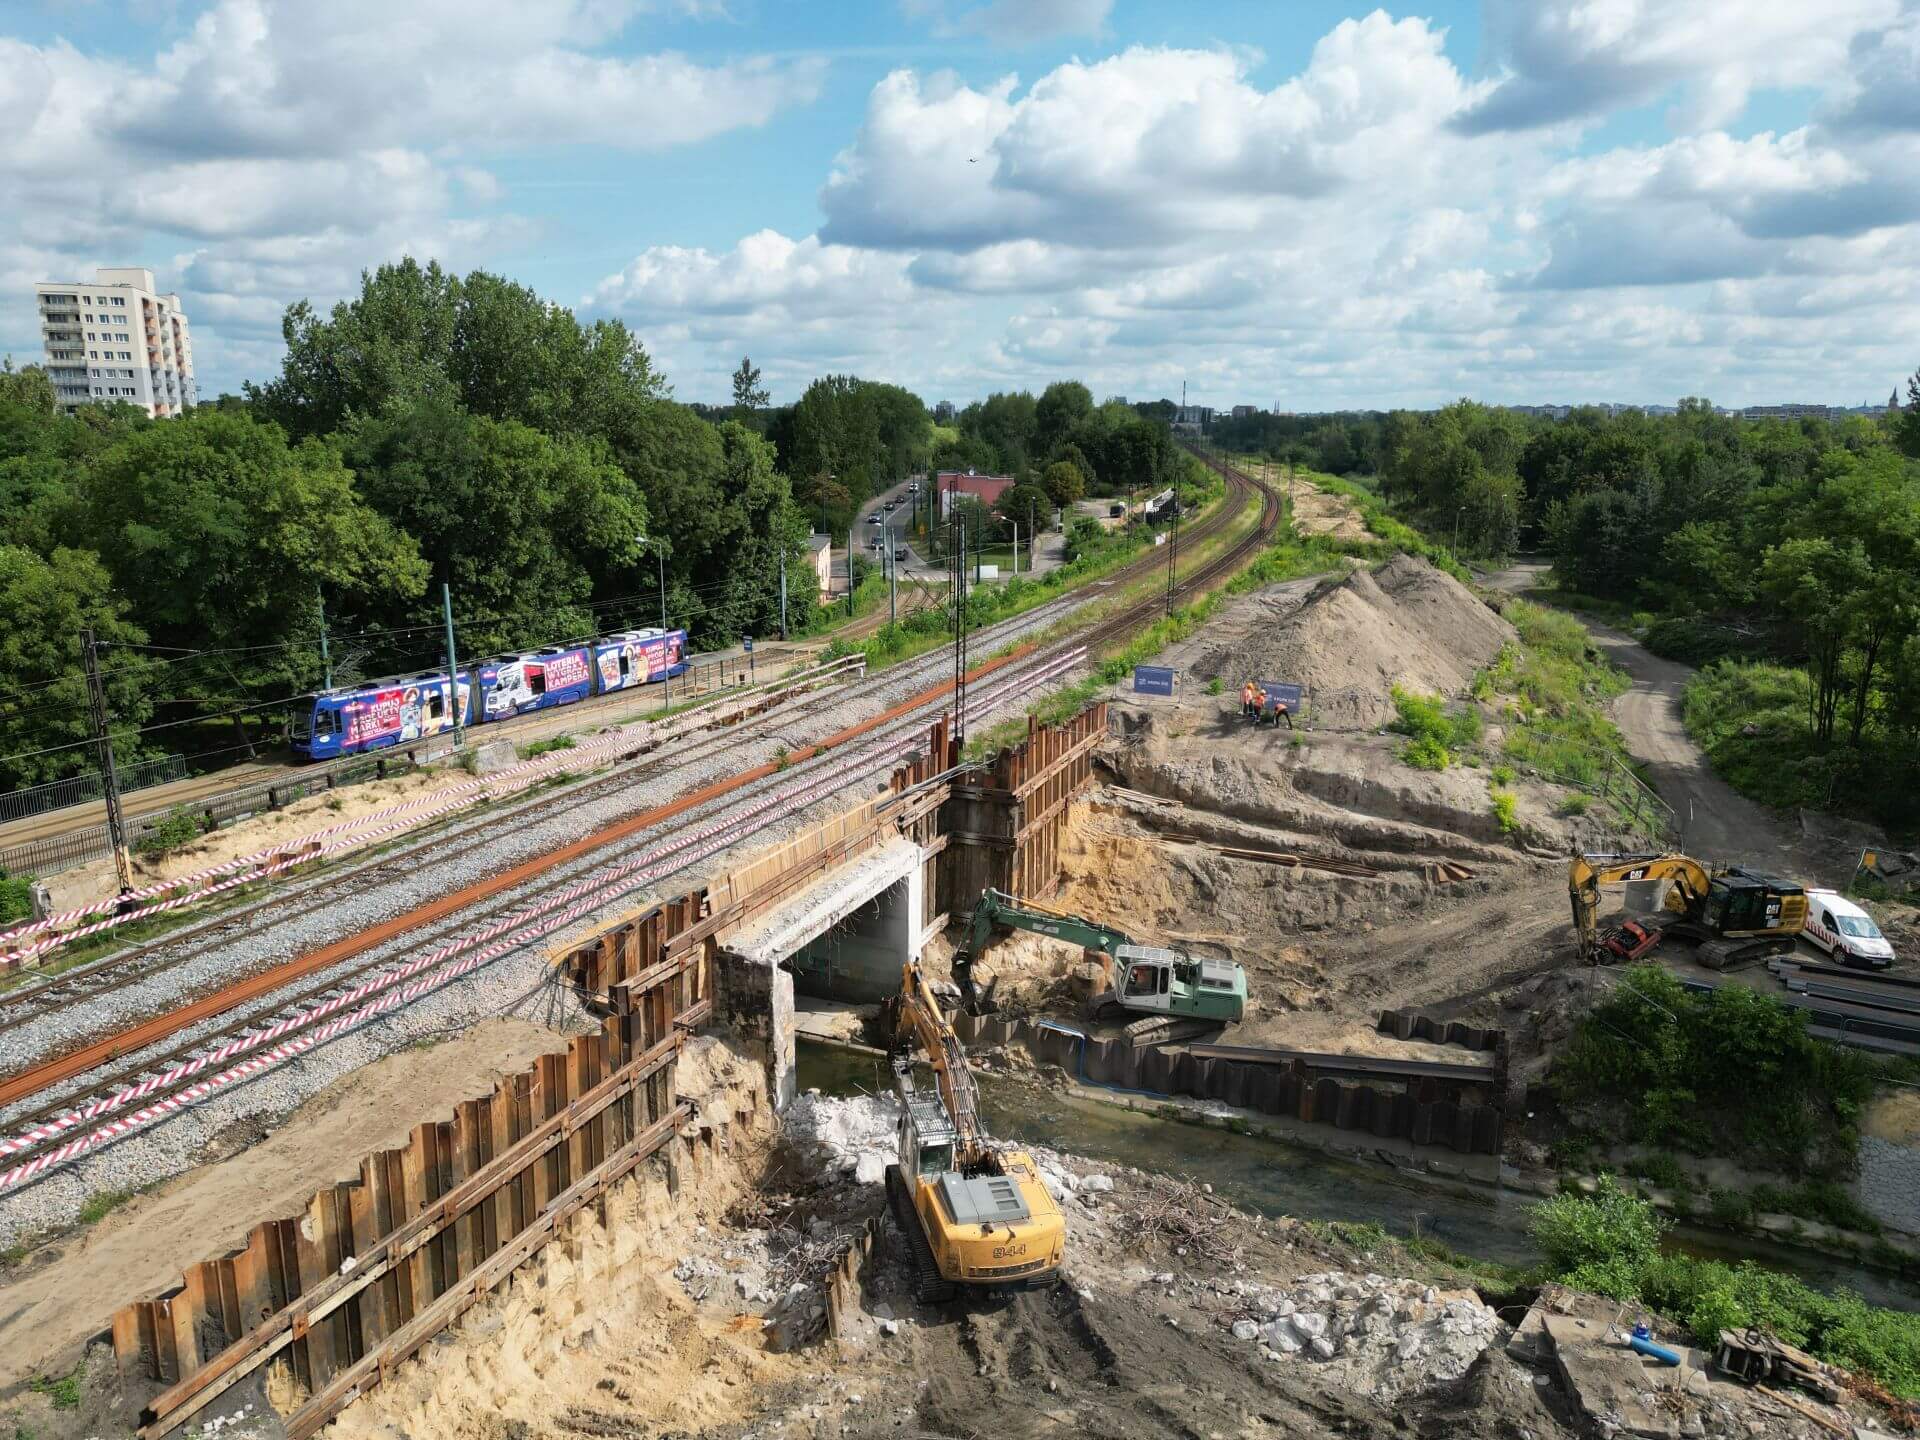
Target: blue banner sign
1279	692
1152	680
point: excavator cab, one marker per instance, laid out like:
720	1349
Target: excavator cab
1150	979
1745	902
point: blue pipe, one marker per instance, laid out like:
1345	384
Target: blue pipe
1643	1344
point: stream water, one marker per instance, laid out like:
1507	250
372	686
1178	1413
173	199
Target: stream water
1273	1178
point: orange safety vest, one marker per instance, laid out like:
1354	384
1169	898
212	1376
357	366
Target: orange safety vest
1260	698
1246	693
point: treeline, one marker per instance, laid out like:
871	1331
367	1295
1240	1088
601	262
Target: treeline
433	430
1339	444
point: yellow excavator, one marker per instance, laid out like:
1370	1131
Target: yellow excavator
975	1217
1735	915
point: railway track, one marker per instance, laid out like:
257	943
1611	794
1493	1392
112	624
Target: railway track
157	1083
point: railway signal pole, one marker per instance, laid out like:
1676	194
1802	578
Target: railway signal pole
960	639
1173	554
453	665
109	781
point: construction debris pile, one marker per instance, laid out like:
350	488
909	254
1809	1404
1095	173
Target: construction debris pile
1382	1337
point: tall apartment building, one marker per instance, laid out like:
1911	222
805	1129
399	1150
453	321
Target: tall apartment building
117	339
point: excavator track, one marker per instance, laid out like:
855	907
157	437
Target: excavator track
1169	1030
929	1286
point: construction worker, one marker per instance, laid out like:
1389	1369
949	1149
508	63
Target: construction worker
1259	703
1246	700
1281	712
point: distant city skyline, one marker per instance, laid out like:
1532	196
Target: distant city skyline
1324	207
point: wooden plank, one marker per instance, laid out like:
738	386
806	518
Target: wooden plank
346	1387
363	1213
177	1404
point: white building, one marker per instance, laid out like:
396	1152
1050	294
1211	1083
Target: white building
117	339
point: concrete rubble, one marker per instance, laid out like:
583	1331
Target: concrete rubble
1383	1337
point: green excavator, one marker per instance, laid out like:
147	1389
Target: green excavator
1176	995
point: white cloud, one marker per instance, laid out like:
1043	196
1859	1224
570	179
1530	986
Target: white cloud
341	130
1568	60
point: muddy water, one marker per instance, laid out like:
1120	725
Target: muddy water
1271	1178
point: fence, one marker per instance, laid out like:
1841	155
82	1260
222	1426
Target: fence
1644	812
79	789
372	1269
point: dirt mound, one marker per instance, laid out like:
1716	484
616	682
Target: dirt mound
1404	624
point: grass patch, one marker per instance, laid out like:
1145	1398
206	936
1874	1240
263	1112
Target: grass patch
1780	763
547	747
98	1207
63	1391
1550	689
1609	1242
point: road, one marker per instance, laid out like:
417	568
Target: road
1718	823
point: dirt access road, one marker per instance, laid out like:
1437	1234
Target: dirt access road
1717	823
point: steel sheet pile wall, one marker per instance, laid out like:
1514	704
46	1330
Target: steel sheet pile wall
1411	1025
1425	1112
1004	823
375	1268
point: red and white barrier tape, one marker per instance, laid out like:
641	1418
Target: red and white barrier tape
272	862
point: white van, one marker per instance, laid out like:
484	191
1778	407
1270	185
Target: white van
1845	931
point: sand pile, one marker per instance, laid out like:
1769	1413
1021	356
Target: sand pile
1404	624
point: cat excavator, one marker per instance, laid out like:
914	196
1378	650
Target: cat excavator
1735	915
975	1217
1172	991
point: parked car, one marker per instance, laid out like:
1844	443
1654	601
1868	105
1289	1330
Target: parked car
1845	931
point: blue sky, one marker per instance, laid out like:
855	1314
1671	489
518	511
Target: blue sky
1312	204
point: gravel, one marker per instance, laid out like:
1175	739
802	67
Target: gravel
519	981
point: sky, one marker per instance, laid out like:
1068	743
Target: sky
1275	202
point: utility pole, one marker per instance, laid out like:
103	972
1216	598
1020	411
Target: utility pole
109	780
1173	555
852	526
783	589
453	664
893	574
960	639
326	661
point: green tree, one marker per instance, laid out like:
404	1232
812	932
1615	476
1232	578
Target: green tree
748	393
45	603
1603	1242
220	535
1905	422
1814	586
1028	506
1060	408
1063	483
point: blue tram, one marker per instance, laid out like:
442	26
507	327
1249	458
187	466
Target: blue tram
404	708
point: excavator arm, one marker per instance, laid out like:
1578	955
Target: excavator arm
997	908
1586	874
921	1017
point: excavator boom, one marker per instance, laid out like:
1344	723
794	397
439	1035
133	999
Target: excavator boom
1736	914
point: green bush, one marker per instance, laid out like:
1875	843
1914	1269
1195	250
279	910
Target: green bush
1433	729
178	827
1610	1243
16	897
1501	775
1731	1208
1731	1071
1602	1241
1504	811
1216	685
1693	640
545	747
1659	1169
1574	804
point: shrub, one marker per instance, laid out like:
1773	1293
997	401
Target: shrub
1434	731
1731	1208
545	747
1426	753
16	897
1574	804
1501	774
1505	811
1605	1239
1660	1169
1669	1059
178	827
1216	685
